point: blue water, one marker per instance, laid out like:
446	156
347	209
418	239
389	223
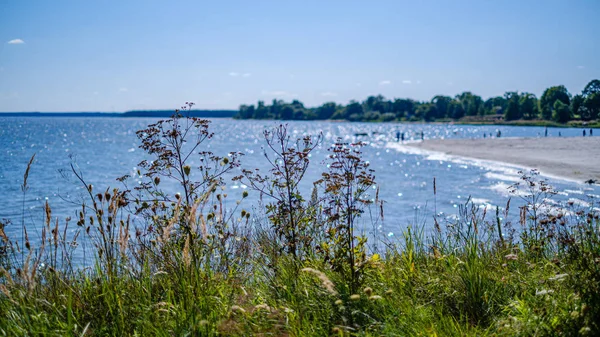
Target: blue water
107	148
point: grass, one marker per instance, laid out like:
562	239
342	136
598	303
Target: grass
296	268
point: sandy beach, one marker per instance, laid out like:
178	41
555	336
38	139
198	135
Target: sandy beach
576	158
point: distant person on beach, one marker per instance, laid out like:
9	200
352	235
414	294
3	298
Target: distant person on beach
559	134
498	134
397	136
584	132
402	137
546	132
591	132
422	135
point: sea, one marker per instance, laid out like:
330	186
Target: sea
104	149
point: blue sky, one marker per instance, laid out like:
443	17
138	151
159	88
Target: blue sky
120	55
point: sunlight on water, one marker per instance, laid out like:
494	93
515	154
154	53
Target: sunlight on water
106	148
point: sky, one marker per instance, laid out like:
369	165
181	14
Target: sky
121	55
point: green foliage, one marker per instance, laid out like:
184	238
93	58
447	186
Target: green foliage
591	100
550	96
560	112
301	269
513	106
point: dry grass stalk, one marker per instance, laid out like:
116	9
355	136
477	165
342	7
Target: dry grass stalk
325	281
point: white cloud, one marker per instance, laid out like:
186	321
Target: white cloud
233	74
580	67
278	93
123	89
407	82
328	94
246	75
358	84
385	82
16	41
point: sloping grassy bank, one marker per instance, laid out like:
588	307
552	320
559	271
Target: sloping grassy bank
299	267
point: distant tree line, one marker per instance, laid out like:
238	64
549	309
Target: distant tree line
556	104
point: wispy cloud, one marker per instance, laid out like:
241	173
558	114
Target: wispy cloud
580	67
407	82
233	74
123	89
16	41
328	94
246	75
385	82
278	93
358	84
418	81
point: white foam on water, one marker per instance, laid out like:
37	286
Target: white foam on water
480	201
496	166
503	177
579	202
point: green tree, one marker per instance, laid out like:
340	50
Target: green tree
577	106
528	106
550	96
287	113
261	110
455	109
403	107
560	112
442	105
326	110
353	111
591	102
471	104
512	110
494	105
426	112
246	111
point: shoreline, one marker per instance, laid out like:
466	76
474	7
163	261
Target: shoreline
573	158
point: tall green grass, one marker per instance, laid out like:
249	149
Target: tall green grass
298	267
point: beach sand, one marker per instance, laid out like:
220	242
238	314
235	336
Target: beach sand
574	158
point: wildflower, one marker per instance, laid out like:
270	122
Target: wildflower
339	302
355	297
